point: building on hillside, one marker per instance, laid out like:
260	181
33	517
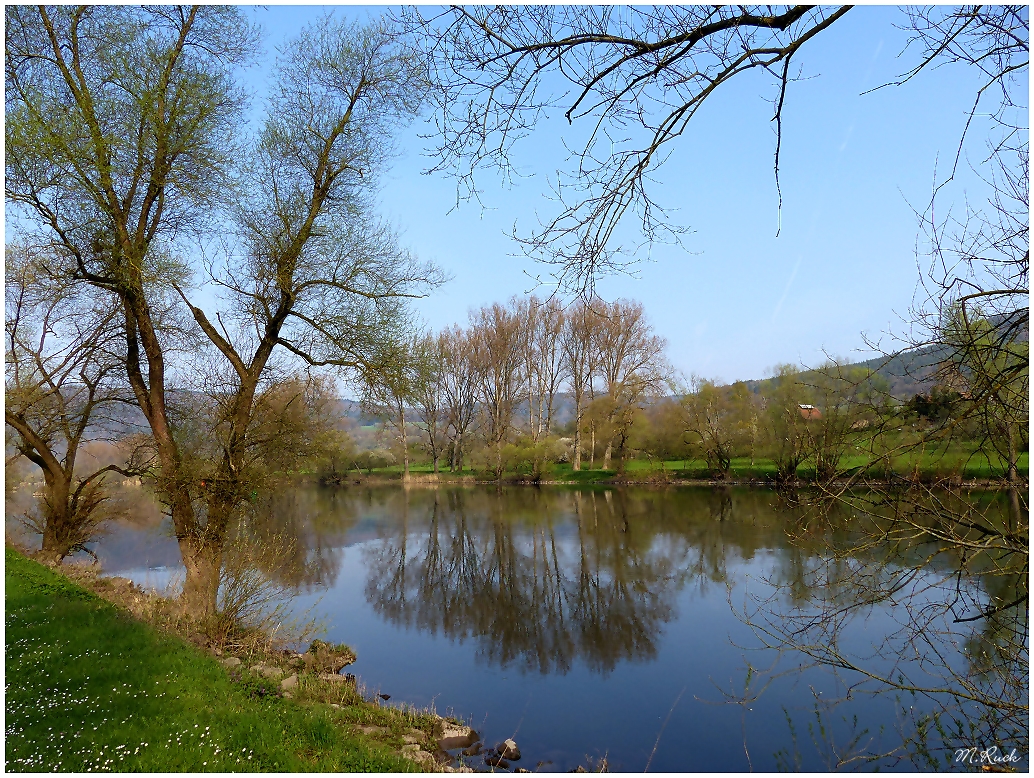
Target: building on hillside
809	412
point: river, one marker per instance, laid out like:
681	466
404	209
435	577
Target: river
619	624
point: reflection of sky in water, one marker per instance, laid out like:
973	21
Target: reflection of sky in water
149	557
574	624
163	580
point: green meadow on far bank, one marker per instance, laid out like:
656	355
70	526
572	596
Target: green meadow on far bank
89	688
957	461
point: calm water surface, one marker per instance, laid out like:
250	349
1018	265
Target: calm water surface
585	623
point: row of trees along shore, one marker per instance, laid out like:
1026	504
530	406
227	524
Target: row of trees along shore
498	382
495	388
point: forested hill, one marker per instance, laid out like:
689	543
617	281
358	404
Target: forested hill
908	373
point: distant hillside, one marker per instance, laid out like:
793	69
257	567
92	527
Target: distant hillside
351	409
913	372
908	373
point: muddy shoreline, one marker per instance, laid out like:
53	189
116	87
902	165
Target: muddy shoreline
446	479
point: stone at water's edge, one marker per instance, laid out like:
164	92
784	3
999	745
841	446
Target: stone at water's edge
267	671
423	757
456	737
337	678
291	682
230	661
508	750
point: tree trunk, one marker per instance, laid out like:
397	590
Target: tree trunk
57	543
54	549
175	488
57	519
405	447
607	454
592	446
201	587
577	463
1012	476
538	433
621	455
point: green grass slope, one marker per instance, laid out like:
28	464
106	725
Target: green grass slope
90	689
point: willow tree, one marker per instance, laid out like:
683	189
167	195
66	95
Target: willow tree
785	425
389	392
62	392
121	138
716	420
631	366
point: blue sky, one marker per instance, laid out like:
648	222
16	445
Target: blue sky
735	300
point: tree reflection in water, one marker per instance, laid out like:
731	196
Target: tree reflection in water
311	525
548	579
542	578
537	578
946	576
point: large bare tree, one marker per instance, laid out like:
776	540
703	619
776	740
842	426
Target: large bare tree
429	393
547	367
459	386
121	137
579	358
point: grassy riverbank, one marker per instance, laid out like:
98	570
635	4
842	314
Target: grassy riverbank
90	688
929	466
